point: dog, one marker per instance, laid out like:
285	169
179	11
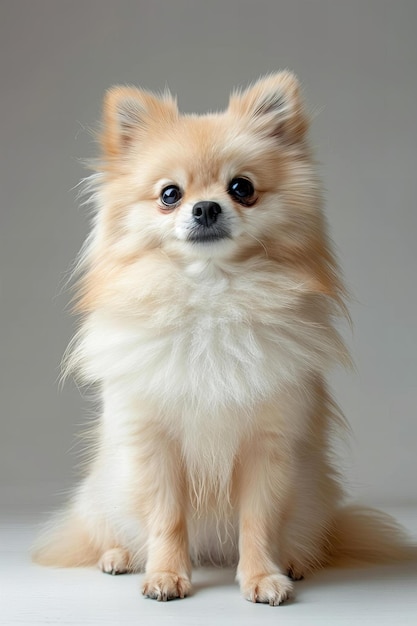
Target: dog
208	295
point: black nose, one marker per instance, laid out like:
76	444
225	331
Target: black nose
206	212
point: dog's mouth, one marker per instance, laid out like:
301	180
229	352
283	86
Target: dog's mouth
212	234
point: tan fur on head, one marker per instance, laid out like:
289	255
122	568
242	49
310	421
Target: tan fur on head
208	325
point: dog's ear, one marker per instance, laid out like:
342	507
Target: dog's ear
273	106
128	113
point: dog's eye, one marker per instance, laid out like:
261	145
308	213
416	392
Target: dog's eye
171	195
242	190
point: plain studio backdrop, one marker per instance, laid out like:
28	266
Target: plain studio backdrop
357	61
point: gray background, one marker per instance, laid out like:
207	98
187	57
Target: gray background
357	61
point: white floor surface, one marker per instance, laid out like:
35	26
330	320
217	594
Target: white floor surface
30	594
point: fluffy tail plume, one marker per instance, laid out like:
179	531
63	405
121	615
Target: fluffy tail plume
369	536
65	542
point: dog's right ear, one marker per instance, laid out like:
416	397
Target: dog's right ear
128	113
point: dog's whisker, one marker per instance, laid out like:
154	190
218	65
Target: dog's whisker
258	241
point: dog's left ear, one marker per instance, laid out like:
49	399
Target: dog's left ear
273	106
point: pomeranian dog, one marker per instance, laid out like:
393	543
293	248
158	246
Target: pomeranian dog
208	296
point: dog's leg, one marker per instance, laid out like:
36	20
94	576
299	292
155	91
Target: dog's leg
168	566
264	482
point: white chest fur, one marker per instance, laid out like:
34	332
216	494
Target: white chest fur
225	342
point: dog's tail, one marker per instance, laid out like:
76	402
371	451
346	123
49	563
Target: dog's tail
65	542
367	535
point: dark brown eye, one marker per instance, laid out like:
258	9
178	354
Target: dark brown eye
171	196
242	190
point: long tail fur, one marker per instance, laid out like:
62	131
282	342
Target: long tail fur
65	542
369	536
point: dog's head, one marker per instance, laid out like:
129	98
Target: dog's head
213	186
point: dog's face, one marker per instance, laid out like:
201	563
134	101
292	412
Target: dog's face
215	186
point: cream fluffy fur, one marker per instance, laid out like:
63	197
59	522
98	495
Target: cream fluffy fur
213	441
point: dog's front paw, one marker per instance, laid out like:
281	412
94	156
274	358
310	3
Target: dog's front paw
270	589
163	586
